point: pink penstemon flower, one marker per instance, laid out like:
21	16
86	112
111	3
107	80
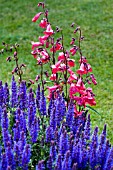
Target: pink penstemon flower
49	30
43	23
84	69
58	46
36	17
43	38
73	50
36	44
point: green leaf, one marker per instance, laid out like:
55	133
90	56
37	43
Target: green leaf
91	108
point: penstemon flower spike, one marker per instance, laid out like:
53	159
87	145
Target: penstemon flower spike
62	75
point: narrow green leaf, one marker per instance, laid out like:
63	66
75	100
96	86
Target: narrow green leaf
91	108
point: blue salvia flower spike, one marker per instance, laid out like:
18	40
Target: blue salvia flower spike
66	164
10	156
26	156
63	143
43	103
52	119
59	162
3	161
17	154
34	130
109	161
50	163
93	149
38	93
4	118
14	95
1	94
87	128
53	151
70	115
49	134
40	165
6	94
23	95
16	131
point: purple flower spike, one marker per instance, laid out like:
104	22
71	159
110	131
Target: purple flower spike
4	119
38	97
87	128
17	154
74	166
93	149
1	94
26	156
23	95
52	119
63	143
43	104
59	162
14	93
109	161
70	115
3	161
40	165
6	94
34	130
50	162
10	156
66	164
53	152
49	134
16	131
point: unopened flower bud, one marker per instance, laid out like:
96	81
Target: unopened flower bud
46	73
14	70
57	29
46	13
78	28
22	65
31	81
11	48
72	25
41	4
8	59
81	38
37	78
15	53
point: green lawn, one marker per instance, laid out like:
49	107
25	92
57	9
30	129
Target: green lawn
96	21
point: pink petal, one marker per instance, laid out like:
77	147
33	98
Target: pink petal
36	17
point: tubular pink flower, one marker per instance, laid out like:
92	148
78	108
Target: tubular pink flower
57	47
61	56
49	30
53	77
43	23
36	44
93	79
84	69
55	68
83	60
43	38
71	78
71	62
36	17
73	50
80	85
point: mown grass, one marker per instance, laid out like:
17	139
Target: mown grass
95	18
